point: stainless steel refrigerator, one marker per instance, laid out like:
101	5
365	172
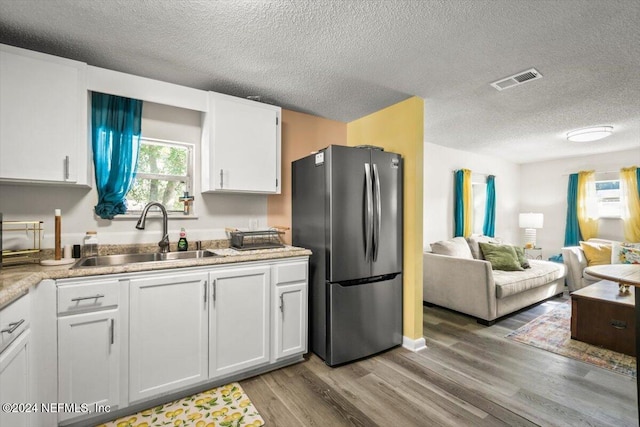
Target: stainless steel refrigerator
347	208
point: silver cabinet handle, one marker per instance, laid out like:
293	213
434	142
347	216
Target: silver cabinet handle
84	298
205	291
282	303
112	331
66	167
221	178
13	326
214	291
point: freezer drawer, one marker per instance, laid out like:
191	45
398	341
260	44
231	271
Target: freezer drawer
363	319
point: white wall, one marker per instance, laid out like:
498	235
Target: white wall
439	165
214	211
543	188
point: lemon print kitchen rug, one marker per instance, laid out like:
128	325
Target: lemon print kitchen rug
226	406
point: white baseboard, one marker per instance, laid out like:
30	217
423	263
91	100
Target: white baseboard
414	345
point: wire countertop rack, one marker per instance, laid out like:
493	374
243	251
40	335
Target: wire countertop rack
257	239
27	231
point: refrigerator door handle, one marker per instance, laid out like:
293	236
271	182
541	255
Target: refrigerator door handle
377	221
369	214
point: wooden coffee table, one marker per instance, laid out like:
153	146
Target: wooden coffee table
624	274
602	315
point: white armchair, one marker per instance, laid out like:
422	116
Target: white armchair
575	261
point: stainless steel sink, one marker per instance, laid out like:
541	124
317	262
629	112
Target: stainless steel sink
114	260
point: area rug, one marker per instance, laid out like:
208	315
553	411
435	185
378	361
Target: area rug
226	406
552	332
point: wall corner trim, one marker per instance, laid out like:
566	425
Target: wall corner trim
414	345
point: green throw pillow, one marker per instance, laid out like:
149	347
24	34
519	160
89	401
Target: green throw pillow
524	263
501	257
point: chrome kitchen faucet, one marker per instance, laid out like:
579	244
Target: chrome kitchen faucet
164	243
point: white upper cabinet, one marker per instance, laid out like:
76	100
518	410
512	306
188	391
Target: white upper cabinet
43	118
241	146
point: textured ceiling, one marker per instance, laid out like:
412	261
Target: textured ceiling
345	59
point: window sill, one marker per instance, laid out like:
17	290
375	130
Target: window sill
171	215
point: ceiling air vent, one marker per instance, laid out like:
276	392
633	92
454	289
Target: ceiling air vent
517	79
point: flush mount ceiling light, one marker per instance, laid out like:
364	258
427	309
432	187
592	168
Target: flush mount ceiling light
590	134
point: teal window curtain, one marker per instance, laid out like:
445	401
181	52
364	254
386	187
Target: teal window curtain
572	234
489	225
116	125
638	179
459	203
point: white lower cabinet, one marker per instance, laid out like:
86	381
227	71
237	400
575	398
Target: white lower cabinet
89	361
89	346
14	381
15	363
290	320
239	319
168	333
289	309
129	338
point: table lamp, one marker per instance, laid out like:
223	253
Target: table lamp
530	221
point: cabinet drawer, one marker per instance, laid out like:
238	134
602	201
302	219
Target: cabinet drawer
289	272
612	326
74	298
14	319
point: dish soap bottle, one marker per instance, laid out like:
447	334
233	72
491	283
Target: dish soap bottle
183	245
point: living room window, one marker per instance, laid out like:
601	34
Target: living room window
165	172
479	194
608	194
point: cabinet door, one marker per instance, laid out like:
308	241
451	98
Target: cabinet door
244	146
43	117
14	380
290	320
168	333
88	360
239	320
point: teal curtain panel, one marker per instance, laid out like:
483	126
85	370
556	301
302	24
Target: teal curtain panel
459	203
116	126
489	225
572	234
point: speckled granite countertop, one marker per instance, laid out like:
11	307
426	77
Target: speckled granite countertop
15	281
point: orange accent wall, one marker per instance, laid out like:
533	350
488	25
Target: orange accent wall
301	134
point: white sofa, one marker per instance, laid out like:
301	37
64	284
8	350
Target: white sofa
470	285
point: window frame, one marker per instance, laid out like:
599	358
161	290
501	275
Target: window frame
188	179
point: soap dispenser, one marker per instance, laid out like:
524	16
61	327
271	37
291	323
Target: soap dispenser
183	245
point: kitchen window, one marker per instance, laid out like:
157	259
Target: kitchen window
165	173
608	195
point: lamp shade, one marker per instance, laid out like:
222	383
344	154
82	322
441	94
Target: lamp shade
531	220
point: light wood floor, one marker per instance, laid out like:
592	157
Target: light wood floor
469	375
